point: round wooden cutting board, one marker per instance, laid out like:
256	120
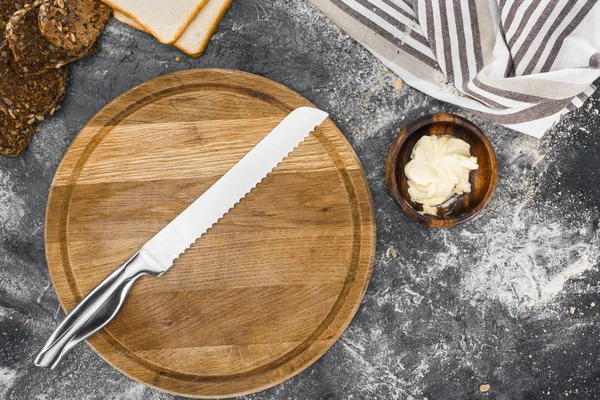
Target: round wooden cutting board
266	291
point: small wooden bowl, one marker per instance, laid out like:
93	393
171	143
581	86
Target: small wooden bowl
483	180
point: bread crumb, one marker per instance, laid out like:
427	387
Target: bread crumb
572	310
484	388
593	304
398	84
178	59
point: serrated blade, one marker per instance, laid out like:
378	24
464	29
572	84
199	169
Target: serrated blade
174	239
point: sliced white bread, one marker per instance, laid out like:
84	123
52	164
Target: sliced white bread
128	20
165	20
195	38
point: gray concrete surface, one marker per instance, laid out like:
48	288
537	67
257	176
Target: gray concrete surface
510	299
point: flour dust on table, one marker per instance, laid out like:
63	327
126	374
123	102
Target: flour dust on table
11	205
414	337
500	301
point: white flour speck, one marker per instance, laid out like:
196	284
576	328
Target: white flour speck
7	379
11	206
513	265
528	247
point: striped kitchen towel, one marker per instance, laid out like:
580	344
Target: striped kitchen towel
521	63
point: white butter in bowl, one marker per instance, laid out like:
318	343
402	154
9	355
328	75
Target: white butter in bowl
438	171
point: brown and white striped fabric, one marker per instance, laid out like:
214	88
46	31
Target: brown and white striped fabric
522	63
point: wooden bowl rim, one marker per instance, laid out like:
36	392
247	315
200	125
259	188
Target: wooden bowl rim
392	162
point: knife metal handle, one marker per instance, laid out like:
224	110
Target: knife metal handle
94	312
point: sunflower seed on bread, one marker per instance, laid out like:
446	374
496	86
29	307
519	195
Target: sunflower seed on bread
25	96
15	134
73	24
7	9
33	53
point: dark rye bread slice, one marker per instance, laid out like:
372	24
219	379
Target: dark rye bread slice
15	134
30	48
7	9
26	96
73	24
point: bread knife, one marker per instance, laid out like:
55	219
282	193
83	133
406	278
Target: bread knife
155	257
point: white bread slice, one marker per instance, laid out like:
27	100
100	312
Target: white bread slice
127	20
197	35
165	20
195	38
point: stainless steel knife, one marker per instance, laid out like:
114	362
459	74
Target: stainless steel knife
101	305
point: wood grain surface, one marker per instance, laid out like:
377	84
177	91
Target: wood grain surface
483	180
266	291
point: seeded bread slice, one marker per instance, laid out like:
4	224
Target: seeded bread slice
73	24
30	48
7	9
29	97
15	134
